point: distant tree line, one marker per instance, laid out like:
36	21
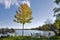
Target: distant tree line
45	27
50	27
6	30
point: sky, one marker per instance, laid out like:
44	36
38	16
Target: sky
41	10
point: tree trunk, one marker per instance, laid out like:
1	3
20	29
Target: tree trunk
53	29
23	30
59	30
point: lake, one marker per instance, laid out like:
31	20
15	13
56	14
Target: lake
28	32
34	33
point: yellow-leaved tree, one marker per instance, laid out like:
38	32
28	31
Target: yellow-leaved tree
23	15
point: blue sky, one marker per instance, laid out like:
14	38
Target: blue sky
41	10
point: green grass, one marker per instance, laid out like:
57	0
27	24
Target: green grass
30	38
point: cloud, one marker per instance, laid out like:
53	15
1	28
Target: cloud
9	3
27	2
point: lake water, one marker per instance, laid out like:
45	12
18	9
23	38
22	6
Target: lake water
28	32
34	33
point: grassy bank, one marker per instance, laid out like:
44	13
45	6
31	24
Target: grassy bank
30	38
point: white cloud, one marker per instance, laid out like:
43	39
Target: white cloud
9	3
27	2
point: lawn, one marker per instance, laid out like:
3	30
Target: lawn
30	38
